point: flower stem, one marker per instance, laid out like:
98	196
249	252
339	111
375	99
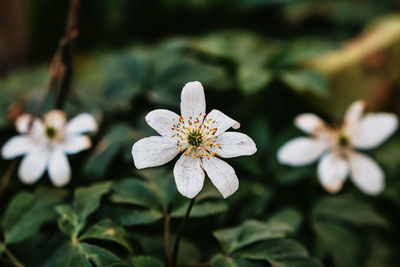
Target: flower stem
167	242
10	256
7	175
180	232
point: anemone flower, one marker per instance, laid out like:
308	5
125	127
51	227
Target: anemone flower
202	139
45	145
337	148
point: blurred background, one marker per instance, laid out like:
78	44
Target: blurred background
262	62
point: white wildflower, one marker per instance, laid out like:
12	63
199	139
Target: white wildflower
202	139
337	148
45	144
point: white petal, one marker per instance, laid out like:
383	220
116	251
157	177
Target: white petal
234	145
193	101
82	123
222	175
301	151
153	151
374	129
55	118
59	169
220	121
366	174
354	112
309	123
76	143
189	176
332	172
162	121
17	146
23	121
33	166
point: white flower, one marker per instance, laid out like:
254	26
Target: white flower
201	138
46	144
336	148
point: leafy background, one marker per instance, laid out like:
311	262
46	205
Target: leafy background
262	62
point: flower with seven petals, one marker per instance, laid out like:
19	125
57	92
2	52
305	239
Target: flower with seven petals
202	139
337	148
46	143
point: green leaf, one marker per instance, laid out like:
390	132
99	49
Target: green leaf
81	255
274	251
306	80
331	238
87	199
137	192
27	212
128	216
348	209
107	230
111	81
118	137
249	232
146	261
288	216
220	261
202	209
68	221
253	79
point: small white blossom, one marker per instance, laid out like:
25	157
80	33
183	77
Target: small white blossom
337	148
46	143
202	139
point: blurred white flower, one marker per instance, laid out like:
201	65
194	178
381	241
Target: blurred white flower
336	147
201	138
46	144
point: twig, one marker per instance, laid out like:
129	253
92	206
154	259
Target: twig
10	256
60	69
65	46
180	232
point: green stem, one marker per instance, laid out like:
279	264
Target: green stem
180	232
167	242
10	256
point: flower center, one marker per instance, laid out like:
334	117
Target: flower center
50	132
343	140
196	136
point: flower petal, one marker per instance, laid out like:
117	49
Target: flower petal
234	145
83	123
59	169
222	175
76	143
220	121
33	166
366	174
301	151
332	172
17	146
23	121
189	176
354	112
55	118
153	151
309	123
162	121
374	129
193	101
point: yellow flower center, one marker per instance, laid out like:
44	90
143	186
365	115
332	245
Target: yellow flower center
50	131
198	139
